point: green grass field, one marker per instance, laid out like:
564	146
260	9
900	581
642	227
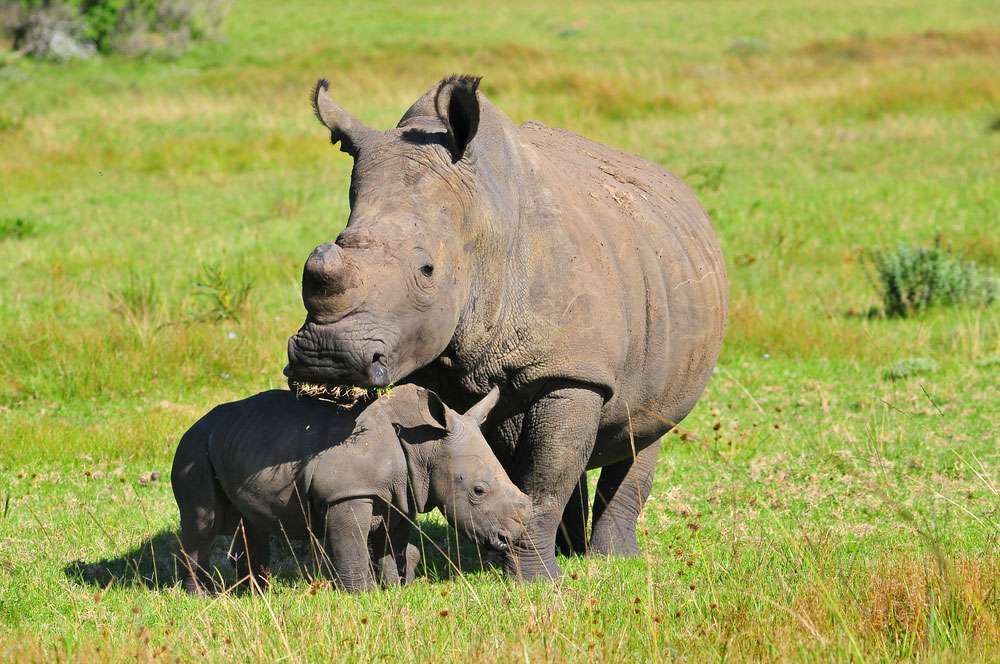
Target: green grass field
808	509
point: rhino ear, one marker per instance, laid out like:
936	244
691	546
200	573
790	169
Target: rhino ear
481	410
411	407
457	107
344	127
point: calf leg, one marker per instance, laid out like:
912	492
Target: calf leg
203	510
572	539
622	491
411	560
195	554
251	556
348	525
555	444
392	553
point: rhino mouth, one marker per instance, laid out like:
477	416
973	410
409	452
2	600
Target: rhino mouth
316	356
345	396
499	541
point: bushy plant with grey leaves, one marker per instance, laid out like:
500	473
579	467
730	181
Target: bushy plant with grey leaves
912	279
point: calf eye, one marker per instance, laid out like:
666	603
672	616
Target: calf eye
427	270
479	490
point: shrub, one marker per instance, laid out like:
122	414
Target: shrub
53	31
17	228
912	279
65	29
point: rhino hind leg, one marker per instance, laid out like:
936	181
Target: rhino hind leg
572	538
622	491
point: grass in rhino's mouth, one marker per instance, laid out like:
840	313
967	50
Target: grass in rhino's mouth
341	395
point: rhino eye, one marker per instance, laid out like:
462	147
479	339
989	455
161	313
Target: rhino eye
427	270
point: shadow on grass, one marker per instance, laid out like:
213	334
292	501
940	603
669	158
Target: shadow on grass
154	563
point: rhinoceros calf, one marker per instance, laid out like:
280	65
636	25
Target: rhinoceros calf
586	282
354	479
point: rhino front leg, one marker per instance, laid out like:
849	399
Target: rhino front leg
348	524
622	491
572	539
555	444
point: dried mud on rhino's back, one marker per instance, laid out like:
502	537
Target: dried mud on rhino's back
608	174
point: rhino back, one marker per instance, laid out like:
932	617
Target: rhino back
278	458
630	288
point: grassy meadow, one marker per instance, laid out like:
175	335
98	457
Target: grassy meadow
155	215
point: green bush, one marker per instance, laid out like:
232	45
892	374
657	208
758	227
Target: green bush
912	279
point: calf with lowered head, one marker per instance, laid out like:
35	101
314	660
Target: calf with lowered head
354	478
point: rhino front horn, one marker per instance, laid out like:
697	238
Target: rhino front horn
326	278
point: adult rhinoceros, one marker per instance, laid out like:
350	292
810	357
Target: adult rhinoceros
587	283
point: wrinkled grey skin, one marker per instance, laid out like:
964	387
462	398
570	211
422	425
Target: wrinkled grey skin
587	283
354	479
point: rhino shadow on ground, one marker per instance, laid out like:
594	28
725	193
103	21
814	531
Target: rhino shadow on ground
154	563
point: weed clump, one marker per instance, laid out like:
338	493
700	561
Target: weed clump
745	48
910	366
912	279
225	293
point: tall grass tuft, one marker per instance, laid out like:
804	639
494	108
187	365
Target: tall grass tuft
912	279
137	302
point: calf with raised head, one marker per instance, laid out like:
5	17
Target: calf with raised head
352	477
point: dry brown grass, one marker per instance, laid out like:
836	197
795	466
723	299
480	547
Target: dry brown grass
346	396
904	597
930	44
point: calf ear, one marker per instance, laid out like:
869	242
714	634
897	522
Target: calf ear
411	407
482	410
344	127
457	107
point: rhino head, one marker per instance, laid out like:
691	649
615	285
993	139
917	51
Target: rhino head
386	298
451	466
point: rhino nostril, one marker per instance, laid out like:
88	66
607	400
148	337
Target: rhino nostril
378	375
